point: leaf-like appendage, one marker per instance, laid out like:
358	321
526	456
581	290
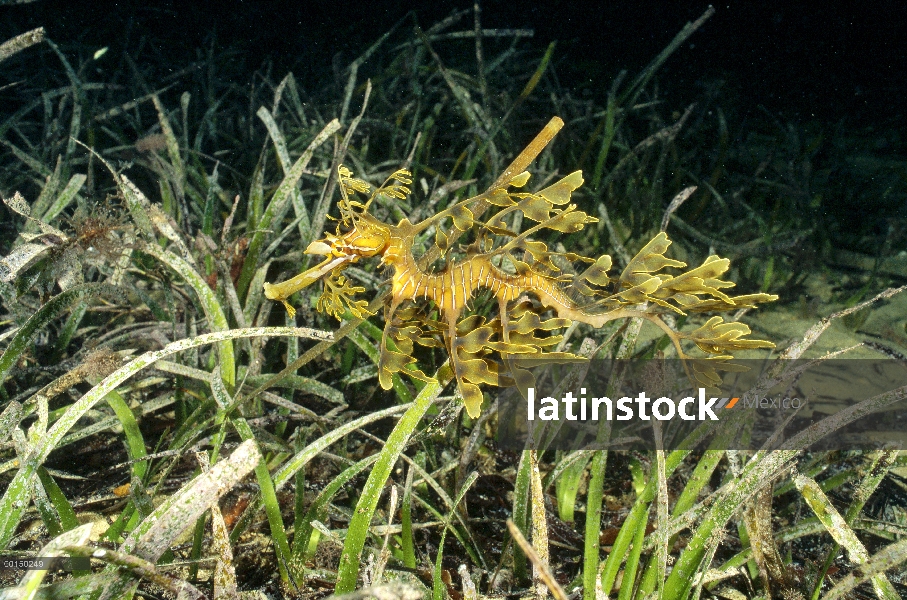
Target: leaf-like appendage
500	231
472	399
560	192
641	292
597	273
570	221
17	203
475	340
400	192
701	280
539	252
338	297
519	267
649	261
351	185
469	323
477	370
470	372
403	176
441	241
530	321
716	337
500	197
695	304
705	370
520	180
391	361
462	217
404	337
536	344
350	209
536	208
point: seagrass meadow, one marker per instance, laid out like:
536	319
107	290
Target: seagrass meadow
256	325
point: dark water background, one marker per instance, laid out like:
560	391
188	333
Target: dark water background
839	68
825	60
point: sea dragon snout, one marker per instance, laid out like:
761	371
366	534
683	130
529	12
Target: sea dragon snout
369	237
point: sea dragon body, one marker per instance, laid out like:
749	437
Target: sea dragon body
513	267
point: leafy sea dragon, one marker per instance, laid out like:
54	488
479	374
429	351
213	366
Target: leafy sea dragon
426	305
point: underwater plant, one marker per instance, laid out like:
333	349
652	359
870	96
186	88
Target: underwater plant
430	306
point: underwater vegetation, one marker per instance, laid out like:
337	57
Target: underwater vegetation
162	417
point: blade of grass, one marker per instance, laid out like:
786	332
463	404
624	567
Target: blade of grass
69	329
289	469
21	42
882	461
224	571
568	484
305	536
283	157
173	149
595	497
71	588
135	443
256	195
550	582
61	505
348	570
28	585
353	68
135	567
217	319
838	528
694	485
156	532
465	537
78	99
406	523
46	509
627	586
629	97
9	419
762	468
303	384
65	197
438	587
539	527
272	506
276	206
888	558
45	315
16	497
46	197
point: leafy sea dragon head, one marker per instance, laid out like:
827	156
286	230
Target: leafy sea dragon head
358	235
